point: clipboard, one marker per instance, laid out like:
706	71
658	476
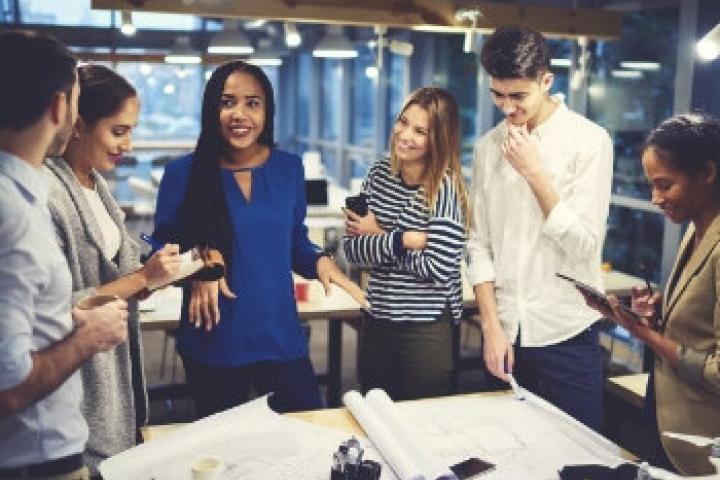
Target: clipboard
598	296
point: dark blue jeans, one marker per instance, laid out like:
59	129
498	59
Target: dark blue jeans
568	375
215	389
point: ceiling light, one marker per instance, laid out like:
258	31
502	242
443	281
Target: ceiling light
708	48
561	62
628	74
644	66
182	52
292	37
334	44
265	55
400	47
472	15
230	41
126	24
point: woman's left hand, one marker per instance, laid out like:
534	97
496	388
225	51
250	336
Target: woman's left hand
328	273
357	225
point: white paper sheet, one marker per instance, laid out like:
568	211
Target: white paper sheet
431	466
252	441
528	439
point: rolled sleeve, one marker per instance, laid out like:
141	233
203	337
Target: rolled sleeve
15	360
577	222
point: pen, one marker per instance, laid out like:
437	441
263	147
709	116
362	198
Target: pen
515	387
151	241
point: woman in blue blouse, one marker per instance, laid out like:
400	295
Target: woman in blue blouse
239	194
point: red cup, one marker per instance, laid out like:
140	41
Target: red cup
301	291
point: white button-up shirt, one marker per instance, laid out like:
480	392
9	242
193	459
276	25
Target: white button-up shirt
516	247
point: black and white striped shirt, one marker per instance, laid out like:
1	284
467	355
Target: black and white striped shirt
410	285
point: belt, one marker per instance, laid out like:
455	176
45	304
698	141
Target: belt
59	466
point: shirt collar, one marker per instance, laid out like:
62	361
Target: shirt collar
555	117
30	181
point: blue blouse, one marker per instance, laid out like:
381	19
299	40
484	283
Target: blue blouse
270	241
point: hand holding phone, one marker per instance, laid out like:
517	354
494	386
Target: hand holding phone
357	204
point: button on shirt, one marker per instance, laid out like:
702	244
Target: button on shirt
517	248
35	297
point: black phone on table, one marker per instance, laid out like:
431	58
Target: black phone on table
471	467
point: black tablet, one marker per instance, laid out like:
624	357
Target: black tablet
597	295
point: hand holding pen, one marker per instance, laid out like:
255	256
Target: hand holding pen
645	302
163	265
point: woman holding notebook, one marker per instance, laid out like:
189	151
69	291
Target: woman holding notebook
102	257
412	240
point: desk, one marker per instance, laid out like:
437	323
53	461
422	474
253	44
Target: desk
335	309
630	388
337	418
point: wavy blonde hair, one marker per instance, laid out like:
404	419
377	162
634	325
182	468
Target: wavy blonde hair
443	146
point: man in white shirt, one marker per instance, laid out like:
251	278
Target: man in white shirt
42	343
541	194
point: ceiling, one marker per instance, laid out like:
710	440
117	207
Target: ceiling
555	18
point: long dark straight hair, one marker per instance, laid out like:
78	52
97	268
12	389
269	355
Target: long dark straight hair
207	217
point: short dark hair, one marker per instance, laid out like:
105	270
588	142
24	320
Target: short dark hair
37	66
687	141
515	52
102	92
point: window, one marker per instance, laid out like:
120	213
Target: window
302	105
163	21
560	50
459	76
397	91
363	85
330	98
629	100
634	238
52	12
170	99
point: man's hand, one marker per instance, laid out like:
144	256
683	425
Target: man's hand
520	150
497	351
104	326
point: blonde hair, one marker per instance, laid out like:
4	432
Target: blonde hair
443	146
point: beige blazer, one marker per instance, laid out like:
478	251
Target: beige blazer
691	317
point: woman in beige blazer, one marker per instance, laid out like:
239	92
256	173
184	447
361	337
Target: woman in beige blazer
681	159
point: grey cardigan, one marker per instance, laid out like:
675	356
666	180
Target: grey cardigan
114	400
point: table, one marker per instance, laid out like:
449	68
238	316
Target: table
337	308
630	388
336	418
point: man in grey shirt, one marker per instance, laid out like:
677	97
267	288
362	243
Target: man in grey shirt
42	342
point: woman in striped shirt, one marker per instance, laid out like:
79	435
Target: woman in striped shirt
412	239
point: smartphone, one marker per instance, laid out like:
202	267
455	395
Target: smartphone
358	204
471	467
597	295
